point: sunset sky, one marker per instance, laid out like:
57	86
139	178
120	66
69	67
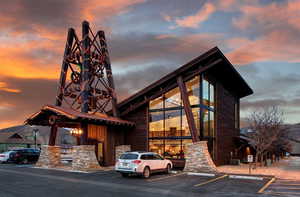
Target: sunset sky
146	40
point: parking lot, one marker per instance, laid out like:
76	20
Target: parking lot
23	180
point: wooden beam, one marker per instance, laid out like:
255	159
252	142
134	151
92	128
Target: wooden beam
85	74
187	109
167	88
52	137
64	67
109	74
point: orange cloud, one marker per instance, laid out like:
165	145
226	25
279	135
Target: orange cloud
3	87
95	9
202	15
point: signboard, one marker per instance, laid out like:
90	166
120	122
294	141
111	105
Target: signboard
250	158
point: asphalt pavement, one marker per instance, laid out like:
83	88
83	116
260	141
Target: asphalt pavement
26	181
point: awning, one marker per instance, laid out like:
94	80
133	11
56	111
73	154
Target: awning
65	115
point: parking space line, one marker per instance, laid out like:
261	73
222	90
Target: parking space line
165	177
266	185
211	180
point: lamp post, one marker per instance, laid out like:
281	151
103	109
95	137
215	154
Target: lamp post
34	135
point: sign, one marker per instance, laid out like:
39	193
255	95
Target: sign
250	158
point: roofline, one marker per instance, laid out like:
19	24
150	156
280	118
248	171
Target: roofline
169	76
183	68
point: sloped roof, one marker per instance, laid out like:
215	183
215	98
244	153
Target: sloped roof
71	114
221	68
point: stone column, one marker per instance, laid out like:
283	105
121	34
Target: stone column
84	158
49	157
120	150
198	158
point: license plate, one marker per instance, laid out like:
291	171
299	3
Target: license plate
125	164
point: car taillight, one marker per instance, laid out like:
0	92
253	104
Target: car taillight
136	161
2	156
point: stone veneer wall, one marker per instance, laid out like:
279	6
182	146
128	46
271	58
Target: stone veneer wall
121	149
198	158
84	158
49	157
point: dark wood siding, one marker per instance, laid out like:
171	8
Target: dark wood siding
138	136
225	125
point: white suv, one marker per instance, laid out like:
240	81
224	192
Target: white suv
142	163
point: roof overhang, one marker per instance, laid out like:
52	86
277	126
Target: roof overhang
67	117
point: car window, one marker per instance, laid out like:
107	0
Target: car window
147	157
157	157
129	156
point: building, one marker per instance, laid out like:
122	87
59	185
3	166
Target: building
198	101
25	136
214	89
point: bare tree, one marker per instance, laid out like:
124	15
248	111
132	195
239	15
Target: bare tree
266	125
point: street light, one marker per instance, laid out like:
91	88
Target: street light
35	134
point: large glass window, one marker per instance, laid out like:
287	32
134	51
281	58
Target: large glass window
168	126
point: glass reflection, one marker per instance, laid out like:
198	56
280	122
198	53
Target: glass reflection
193	89
156	103
173	98
172	123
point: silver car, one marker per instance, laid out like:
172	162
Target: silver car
142	163
4	157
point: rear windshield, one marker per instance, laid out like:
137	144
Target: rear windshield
129	156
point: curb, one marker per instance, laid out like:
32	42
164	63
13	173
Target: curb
201	174
246	177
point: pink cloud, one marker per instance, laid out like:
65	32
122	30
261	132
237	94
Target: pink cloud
275	46
194	21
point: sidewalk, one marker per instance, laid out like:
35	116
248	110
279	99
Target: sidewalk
288	168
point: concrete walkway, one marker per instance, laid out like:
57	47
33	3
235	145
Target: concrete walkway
288	168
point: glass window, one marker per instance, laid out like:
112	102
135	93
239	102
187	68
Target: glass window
212	124
205	123
156	103
205	92
184	142
185	126
172	123
173	98
156	146
196	114
156	124
193	90
211	95
168	125
172	149
129	156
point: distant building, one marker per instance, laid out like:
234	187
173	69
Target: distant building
23	136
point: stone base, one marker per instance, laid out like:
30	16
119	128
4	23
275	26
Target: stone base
121	149
49	157
198	158
84	158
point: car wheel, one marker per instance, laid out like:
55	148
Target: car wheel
146	172
168	169
124	174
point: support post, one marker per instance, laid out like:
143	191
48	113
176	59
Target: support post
187	109
85	86
52	137
63	74
109	75
84	136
